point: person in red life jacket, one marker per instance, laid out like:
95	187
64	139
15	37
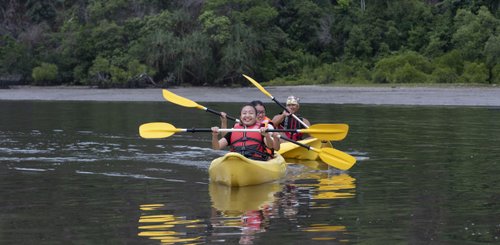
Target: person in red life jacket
285	120
250	144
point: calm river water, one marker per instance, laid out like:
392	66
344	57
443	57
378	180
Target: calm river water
78	173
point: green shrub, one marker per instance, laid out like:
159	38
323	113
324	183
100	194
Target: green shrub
444	75
119	76
45	74
408	74
495	74
453	60
474	73
391	69
108	73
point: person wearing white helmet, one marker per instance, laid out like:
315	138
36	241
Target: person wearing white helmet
285	120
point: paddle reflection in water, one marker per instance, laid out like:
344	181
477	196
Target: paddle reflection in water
319	188
165	227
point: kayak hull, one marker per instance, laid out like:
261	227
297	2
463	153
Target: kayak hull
233	169
290	150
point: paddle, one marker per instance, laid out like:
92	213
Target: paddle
158	130
330	156
263	90
179	100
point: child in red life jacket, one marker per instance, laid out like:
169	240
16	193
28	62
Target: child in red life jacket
253	145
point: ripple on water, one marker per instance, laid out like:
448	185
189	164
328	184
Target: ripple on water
128	175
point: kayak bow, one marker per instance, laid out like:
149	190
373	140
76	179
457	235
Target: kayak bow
233	169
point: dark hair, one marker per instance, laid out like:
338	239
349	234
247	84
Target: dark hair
257	102
251	105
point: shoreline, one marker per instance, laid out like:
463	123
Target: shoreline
377	95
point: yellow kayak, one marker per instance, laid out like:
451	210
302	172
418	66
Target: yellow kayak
290	150
233	169
312	164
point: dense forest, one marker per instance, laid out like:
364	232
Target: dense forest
120	43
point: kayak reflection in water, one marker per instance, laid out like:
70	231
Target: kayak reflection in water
285	120
252	145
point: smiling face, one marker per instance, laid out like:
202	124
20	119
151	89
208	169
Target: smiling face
261	112
293	108
248	116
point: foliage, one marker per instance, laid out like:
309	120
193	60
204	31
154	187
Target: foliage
15	57
444	75
110	43
474	73
495	74
45	74
407	67
106	73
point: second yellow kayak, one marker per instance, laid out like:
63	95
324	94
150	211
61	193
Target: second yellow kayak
290	150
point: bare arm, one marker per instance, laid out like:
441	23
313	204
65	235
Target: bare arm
276	141
217	143
223	122
279	118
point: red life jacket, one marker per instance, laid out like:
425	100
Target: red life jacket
266	121
249	144
291	123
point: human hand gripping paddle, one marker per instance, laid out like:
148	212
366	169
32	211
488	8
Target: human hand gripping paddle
330	156
179	100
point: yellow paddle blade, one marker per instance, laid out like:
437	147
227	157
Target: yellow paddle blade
157	130
336	158
256	84
333	132
179	100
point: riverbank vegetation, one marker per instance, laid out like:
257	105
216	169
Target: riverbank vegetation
114	43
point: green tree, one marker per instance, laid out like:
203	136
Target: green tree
472	32
492	50
358	46
218	28
15	57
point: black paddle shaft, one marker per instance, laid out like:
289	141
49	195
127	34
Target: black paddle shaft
282	106
194	130
296	142
218	113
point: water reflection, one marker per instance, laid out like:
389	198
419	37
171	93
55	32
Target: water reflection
243	211
319	189
241	215
334	187
168	228
246	212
